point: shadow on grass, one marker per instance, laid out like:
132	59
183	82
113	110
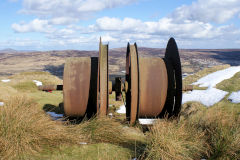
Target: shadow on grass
52	108
60	110
137	147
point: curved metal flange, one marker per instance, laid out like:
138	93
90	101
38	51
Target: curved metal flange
174	97
132	77
103	79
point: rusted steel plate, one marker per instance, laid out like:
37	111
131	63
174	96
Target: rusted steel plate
153	83
76	84
134	71
128	82
103	79
92	99
172	55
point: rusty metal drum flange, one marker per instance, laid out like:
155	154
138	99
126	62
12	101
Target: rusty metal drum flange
172	59
147	80
132	77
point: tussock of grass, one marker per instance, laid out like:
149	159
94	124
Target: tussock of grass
24	130
190	109
103	130
173	140
222	129
106	130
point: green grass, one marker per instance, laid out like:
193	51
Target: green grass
26	87
100	151
230	85
46	98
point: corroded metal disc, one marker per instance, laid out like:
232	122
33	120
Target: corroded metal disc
132	77
173	60
153	84
76	84
103	79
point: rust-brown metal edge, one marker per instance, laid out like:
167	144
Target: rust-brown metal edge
103	79
128	82
134	84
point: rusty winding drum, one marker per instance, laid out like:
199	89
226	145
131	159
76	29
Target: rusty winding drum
154	84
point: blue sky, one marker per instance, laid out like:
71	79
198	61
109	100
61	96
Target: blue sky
78	24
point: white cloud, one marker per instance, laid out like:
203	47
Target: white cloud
191	25
62	20
68	11
208	11
114	24
36	25
165	26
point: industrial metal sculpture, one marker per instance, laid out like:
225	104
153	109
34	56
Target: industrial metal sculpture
153	86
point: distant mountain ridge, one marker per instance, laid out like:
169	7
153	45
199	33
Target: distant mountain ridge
10	50
192	60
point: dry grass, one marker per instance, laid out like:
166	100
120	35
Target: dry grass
7	91
222	130
190	109
24	129
172	140
103	130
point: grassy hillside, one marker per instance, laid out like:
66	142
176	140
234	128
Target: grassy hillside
27	132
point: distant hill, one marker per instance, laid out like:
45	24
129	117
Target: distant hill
53	61
10	50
